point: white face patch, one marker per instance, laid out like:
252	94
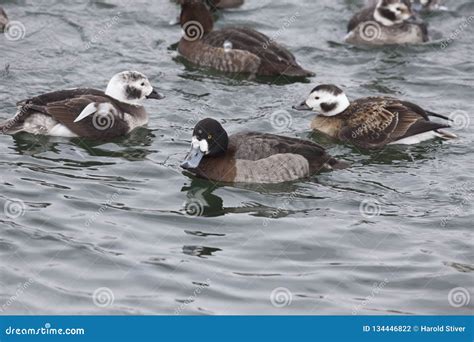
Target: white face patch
319	100
201	144
118	84
399	9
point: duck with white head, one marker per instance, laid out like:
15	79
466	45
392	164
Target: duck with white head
86	112
371	122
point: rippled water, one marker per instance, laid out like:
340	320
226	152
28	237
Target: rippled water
392	234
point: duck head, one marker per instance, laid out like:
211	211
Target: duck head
326	99
131	87
209	140
392	12
195	19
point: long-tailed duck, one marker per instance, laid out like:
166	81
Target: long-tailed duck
417	5
3	20
86	112
371	122
388	22
253	157
233	49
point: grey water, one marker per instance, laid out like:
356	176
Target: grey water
117	228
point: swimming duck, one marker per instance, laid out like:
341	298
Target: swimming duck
388	22
371	122
219	4
3	20
233	49
253	157
417	5
86	112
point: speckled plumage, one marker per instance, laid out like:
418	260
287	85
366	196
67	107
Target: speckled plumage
374	122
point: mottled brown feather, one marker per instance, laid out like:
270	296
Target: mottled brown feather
374	122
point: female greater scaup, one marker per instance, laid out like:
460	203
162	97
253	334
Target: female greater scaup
253	157
233	49
86	112
371	122
387	22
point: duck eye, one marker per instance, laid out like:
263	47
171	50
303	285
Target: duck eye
316	97
143	84
209	137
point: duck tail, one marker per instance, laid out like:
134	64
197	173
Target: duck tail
446	135
438	115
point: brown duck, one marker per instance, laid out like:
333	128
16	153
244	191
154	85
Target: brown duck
371	122
253	157
232	49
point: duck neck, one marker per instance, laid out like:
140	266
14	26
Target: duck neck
195	12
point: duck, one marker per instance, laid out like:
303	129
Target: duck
3	20
86	112
388	22
253	157
427	5
418	6
219	4
232	49
371	122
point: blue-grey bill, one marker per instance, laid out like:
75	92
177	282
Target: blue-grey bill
302	106
192	159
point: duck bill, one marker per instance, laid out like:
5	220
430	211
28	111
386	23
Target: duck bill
302	106
417	7
415	20
193	158
155	95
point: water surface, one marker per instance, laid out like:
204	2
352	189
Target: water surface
120	220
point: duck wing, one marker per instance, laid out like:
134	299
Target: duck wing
256	145
374	122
